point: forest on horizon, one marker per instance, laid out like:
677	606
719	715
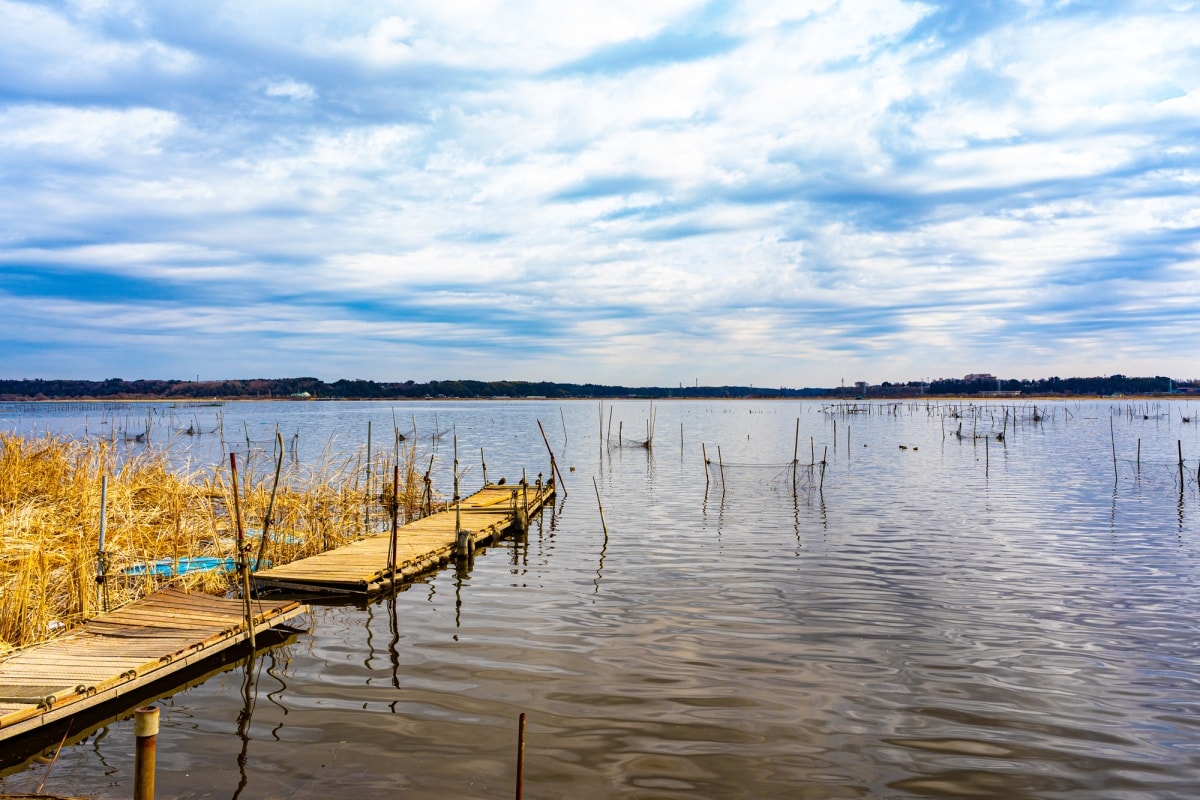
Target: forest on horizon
313	388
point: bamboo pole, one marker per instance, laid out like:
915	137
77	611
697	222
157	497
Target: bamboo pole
795	454
1113	437
101	565
242	565
554	470
367	501
262	545
395	519
457	499
601	506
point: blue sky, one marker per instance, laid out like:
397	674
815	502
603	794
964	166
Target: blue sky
769	193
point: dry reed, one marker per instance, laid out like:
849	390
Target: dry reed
50	501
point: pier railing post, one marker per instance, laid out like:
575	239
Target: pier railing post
145	729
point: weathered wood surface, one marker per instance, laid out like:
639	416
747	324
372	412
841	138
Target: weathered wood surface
421	545
116	653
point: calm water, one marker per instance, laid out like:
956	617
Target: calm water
946	619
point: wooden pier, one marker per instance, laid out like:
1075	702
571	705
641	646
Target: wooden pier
119	653
362	567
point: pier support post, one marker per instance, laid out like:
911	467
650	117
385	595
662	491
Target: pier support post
145	729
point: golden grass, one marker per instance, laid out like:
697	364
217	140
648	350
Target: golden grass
50	500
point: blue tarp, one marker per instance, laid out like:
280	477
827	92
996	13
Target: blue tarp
168	566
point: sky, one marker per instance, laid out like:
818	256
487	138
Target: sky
620	192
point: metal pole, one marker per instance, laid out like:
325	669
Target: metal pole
145	729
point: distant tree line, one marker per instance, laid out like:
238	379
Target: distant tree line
292	388
1110	385
312	388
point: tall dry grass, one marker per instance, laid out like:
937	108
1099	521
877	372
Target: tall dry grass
50	500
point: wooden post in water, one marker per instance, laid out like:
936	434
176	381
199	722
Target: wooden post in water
145	731
704	454
242	564
520	754
483	462
1139	456
1179	447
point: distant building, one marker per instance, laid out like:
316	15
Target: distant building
980	376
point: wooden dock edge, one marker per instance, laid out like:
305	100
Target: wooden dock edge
381	580
111	690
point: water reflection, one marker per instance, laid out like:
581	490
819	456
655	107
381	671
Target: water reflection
1023	628
249	695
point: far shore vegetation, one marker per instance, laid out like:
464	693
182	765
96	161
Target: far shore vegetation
981	384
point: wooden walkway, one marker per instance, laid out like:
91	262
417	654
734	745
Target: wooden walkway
362	567
115	654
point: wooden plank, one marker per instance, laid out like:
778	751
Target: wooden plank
120	652
361	566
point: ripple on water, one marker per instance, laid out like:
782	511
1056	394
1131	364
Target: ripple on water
953	620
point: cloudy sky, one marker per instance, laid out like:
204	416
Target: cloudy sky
643	193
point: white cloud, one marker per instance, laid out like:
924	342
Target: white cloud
808	179
88	133
293	90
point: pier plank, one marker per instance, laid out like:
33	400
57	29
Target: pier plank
121	651
361	567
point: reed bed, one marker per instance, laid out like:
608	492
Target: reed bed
50	510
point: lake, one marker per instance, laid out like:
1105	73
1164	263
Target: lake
928	613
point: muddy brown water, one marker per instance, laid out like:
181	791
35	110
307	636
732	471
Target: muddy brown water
954	618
